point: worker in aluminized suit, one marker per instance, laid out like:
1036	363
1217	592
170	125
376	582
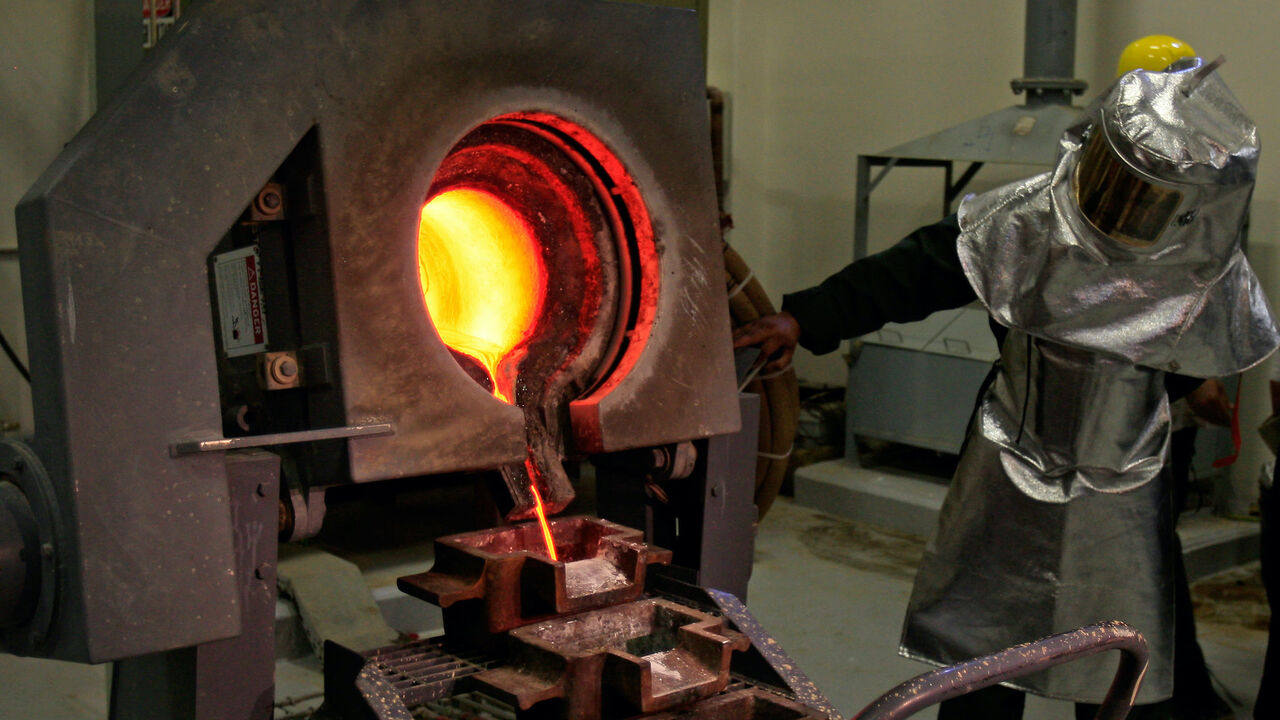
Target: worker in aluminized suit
1114	282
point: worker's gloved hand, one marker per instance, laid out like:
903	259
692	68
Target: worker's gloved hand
776	335
1209	402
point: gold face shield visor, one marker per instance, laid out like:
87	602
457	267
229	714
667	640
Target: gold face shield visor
1121	204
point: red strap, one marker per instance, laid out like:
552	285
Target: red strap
1235	430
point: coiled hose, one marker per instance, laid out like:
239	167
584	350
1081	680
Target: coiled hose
779	392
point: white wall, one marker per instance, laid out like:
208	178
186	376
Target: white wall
813	83
46	94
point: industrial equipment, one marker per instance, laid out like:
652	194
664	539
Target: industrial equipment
388	240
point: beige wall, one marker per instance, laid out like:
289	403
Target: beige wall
813	83
46	94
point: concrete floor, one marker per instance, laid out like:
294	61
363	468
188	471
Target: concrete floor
832	592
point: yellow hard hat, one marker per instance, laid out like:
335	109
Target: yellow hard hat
1153	52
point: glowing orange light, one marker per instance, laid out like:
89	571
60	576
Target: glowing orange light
542	520
482	276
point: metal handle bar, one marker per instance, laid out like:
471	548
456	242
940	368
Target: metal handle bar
945	683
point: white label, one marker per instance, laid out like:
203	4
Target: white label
238	279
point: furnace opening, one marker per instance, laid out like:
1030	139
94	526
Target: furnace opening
531	258
538	270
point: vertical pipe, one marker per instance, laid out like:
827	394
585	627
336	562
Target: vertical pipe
1050	50
862	209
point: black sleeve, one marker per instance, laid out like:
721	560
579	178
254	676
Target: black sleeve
908	282
1179	386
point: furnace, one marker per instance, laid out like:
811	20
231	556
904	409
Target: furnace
538	264
387	240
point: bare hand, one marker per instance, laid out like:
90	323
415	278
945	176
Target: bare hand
1209	402
777	336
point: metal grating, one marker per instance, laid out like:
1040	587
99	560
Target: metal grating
423	670
467	706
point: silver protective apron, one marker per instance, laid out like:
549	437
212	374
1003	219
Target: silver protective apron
1059	514
1056	519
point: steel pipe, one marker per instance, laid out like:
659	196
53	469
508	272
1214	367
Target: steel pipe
1049	54
1050	49
945	683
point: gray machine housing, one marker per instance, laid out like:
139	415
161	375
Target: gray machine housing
115	238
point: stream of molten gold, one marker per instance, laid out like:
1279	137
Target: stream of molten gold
542	520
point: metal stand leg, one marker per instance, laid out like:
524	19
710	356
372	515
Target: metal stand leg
232	679
728	505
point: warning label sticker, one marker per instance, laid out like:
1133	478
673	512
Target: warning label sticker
238	280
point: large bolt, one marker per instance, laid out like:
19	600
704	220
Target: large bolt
282	369
270	200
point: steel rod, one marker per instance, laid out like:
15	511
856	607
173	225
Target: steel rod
187	447
930	688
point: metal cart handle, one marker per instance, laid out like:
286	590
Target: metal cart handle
945	683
